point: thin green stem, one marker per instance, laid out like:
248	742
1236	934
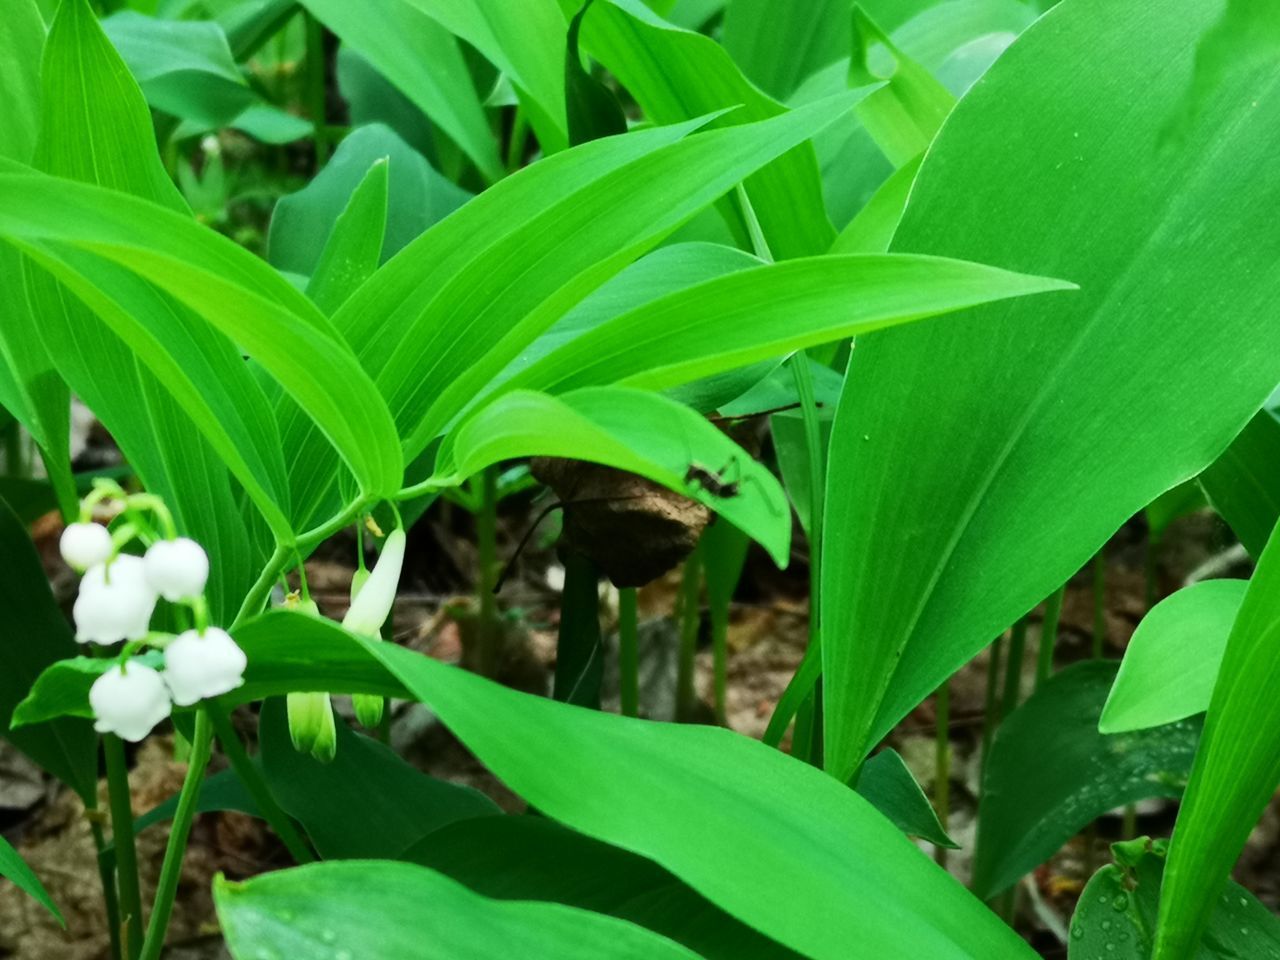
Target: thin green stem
1049	635
690	591
629	652
942	752
258	593
1150	571
718	614
487	544
171	869
107	877
126	850
14	461
317	88
518	142
991	714
1099	603
310	539
1013	669
252	778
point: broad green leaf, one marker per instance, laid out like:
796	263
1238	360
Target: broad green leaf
1237	767
287	652
367	802
424	61
13	868
887	783
1243	484
676	75
1116	913
361	909
28	499
184	67
1042	472
1172	660
636	431
61	222
354	248
767	311
96	128
1051	773
903	115
418	197
30	387
751	822
778	45
33	635
526	41
533	858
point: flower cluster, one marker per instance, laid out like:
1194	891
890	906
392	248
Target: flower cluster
117	598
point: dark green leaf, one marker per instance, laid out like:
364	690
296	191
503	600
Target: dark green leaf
12	867
1051	773
889	785
1243	484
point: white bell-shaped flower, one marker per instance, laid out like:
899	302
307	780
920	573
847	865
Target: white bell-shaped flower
84	545
115	602
177	569
372	604
129	701
197	665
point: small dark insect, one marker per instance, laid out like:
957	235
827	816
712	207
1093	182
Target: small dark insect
717	485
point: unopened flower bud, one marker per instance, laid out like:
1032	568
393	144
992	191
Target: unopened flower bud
115	602
197	666
311	725
177	569
85	544
129	701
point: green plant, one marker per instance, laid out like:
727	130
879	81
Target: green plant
598	231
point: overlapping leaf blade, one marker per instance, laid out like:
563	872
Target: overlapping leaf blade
999	439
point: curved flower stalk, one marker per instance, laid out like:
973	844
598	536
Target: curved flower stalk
117	599
371	604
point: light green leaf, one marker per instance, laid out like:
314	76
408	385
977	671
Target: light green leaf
1172	660
526	41
12	867
233	291
903	116
767	311
1237	766
792	450
676	75
872	230
96	128
359	908
355	245
1051	773
424	61
1243	484
1043	471
533	858
636	431
30	387
746	812
778	45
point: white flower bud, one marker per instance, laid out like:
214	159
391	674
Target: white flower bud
196	666
85	544
177	569
311	725
372	604
129	701
115	602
